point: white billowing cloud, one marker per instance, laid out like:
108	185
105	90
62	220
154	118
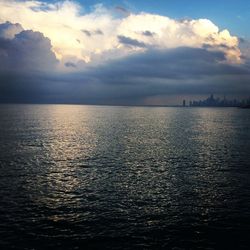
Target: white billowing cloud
100	35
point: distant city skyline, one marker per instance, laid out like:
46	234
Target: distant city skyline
213	101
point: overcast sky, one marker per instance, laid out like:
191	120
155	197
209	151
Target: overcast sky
122	52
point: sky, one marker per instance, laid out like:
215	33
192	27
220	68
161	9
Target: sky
231	14
123	52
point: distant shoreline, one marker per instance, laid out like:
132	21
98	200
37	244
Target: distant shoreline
112	105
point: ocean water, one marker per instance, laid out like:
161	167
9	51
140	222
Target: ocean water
97	177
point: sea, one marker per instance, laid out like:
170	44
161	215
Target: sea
106	177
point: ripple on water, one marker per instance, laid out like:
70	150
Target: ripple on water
124	177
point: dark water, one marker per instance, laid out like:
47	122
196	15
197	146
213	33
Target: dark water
86	177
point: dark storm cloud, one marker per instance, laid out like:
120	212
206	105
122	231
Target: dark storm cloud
25	62
130	80
172	72
28	50
131	42
180	63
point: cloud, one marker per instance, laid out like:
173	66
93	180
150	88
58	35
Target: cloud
129	41
86	32
24	50
70	64
135	79
65	23
98	32
177	63
58	53
9	30
175	71
91	33
245	48
148	33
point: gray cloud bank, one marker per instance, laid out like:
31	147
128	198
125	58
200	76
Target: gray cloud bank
24	50
29	73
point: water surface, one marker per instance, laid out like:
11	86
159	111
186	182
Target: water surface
124	177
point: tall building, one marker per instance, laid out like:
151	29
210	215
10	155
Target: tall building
184	103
